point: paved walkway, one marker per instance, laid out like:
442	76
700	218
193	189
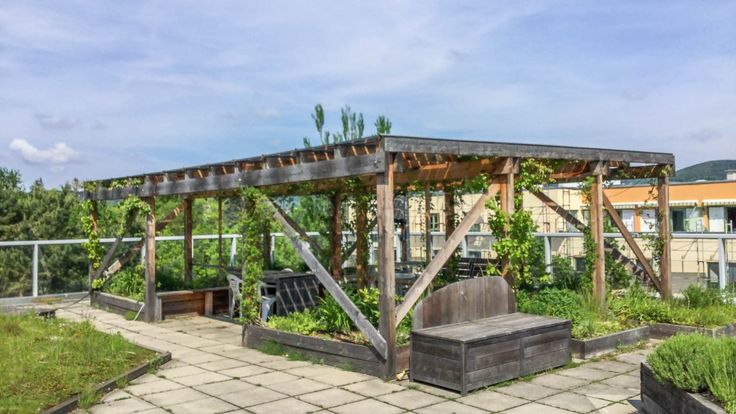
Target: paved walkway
211	373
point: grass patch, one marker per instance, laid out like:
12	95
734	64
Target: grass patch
696	363
45	361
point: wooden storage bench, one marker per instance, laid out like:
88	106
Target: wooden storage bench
476	352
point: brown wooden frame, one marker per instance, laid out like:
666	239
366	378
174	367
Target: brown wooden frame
379	163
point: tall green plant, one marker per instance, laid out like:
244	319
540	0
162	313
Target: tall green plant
255	218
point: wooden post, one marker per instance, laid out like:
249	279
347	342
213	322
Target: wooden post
386	263
188	247
150	267
361	243
336	237
267	247
663	201
449	212
220	264
94	215
507	206
596	230
427	224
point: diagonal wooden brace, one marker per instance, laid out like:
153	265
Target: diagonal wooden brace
439	260
375	338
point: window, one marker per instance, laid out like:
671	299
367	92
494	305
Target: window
476	227
678	219
434	222
648	220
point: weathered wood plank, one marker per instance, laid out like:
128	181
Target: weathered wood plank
628	237
332	287
596	230
386	261
393	143
302	172
150	264
663	206
188	246
439	260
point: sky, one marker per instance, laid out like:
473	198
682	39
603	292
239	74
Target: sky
99	89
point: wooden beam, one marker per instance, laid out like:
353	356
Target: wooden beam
375	338
449	212
616	254
188	246
427	223
596	230
439	260
387	263
134	249
316	249
393	143
507	206
628	237
94	215
362	235
336	236
150	265
220	268
303	172
665	265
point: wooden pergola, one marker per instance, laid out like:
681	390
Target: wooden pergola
381	164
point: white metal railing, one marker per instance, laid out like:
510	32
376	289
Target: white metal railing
721	238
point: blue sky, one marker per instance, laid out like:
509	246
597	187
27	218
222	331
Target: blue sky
94	89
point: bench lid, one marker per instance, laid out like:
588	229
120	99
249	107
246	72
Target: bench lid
496	326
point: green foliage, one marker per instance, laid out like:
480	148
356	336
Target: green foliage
352	126
255	219
383	125
305	323
566	277
129	282
39	372
697	363
695	296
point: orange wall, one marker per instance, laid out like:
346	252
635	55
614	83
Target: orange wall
678	192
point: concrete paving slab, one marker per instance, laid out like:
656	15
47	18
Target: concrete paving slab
410	399
247	399
169	398
491	400
527	391
613	366
373	388
153	387
180	371
624	381
559	382
245	371
298	387
340	378
449	407
368	406
222	364
128	405
225	387
586	373
536	408
619	408
204	406
574	402
330	397
199	379
271	378
286	406
607	392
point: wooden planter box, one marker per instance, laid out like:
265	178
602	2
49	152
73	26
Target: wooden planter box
587	348
662	398
665	330
359	358
210	301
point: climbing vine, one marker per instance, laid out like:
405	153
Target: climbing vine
254	219
514	233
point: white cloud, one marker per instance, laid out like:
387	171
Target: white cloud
56	157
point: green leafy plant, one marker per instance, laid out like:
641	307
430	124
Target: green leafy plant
255	218
696	363
305	323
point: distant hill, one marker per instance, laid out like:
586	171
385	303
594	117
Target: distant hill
709	170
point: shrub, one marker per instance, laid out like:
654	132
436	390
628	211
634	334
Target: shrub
304	323
695	296
560	303
128	282
681	360
696	363
565	276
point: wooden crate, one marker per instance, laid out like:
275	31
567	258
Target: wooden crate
473	354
